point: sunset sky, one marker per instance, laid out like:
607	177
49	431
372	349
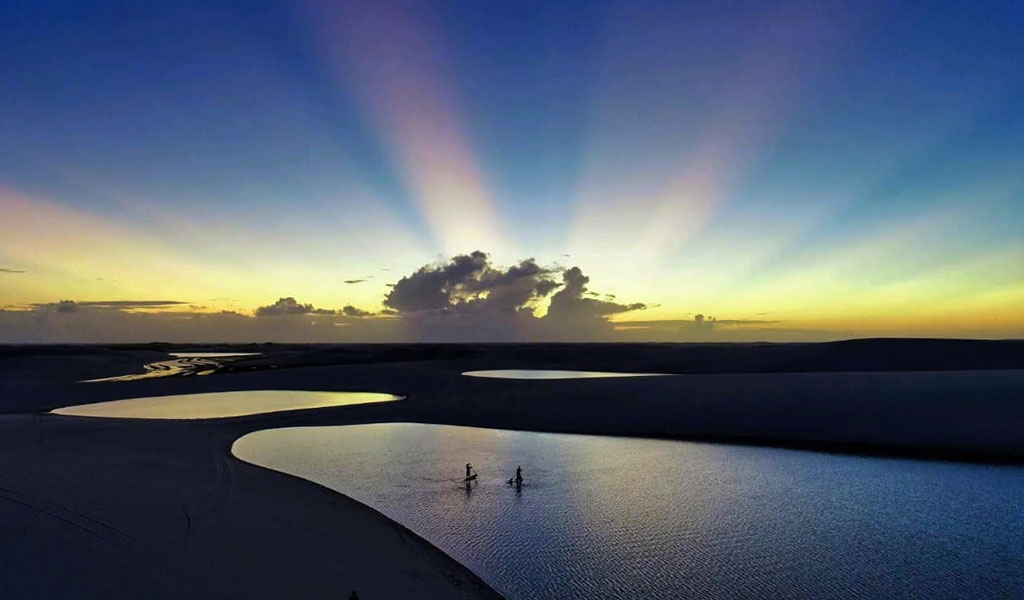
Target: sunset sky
803	170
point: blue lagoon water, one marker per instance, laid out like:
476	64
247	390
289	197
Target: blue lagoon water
603	517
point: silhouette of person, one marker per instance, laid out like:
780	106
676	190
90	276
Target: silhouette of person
469	470
519	475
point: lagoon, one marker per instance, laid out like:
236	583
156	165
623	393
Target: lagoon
606	517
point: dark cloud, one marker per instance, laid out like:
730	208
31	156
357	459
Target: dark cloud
571	303
435	288
471	283
131	303
546	286
351	311
468	298
290	306
351	281
2	270
72	305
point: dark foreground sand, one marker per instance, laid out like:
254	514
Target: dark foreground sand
96	508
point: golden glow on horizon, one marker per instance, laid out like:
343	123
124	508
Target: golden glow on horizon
70	253
866	288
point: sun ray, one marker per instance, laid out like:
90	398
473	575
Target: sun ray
694	157
392	57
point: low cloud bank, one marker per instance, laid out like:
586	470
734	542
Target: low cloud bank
466	298
352	311
68	306
290	306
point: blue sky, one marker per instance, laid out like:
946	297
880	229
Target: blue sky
833	162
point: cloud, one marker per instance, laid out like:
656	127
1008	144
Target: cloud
469	298
2	270
351	311
434	288
471	283
351	281
72	323
290	306
571	304
131	303
72	305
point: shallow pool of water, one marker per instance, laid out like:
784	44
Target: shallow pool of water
553	374
220	404
603	517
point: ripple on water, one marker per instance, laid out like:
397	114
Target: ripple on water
214	405
604	517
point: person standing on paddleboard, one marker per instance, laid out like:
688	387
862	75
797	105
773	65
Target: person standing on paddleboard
519	475
469	470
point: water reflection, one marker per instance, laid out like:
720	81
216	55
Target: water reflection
553	374
183	363
220	404
635	518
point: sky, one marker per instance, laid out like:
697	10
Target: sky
603	170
